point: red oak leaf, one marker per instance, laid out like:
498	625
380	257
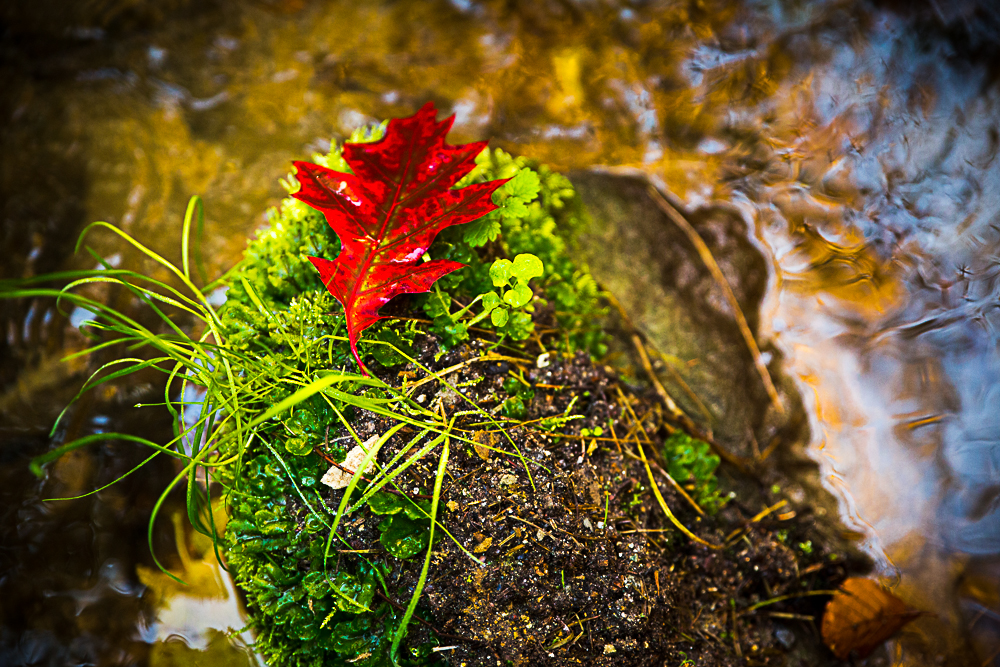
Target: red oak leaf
388	212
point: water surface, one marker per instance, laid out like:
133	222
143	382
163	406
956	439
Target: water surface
859	142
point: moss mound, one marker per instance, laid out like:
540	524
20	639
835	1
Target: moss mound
309	604
549	544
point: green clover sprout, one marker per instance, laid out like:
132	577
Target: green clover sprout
509	306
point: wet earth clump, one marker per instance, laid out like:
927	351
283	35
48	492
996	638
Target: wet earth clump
580	565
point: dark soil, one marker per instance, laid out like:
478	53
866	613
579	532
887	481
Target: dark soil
582	567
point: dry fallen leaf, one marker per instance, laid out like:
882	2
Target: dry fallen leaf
336	478
483	441
483	546
862	615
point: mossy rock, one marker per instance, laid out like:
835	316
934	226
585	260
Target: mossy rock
640	256
551	546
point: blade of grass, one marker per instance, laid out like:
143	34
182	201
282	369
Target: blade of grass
419	588
193	204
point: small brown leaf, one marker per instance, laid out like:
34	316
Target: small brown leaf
862	615
483	546
483	441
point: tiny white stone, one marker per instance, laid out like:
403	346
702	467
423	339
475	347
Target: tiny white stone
336	478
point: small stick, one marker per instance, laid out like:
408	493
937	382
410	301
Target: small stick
611	425
673	482
462	364
656	489
517	518
727	290
680	381
740	532
677	487
794	617
782	598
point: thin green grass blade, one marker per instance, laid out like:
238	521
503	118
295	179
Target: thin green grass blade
158	259
142	363
199	260
177	301
194	502
419	588
389	472
36	463
109	484
193	463
193	204
312	388
98	347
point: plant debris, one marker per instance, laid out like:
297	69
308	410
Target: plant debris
339	475
862	615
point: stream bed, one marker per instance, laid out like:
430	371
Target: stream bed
854	144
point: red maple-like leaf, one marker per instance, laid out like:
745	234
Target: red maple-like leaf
389	210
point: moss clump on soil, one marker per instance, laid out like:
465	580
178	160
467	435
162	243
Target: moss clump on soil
556	550
309	603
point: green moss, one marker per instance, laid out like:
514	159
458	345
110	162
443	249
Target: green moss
307	609
539	214
692	463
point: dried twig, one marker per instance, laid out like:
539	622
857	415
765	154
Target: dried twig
727	290
451	369
740	532
664	473
702	408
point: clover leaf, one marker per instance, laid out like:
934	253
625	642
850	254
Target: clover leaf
500	272
525	267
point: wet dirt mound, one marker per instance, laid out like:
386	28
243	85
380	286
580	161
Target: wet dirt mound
581	565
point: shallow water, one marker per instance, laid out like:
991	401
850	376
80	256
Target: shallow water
858	141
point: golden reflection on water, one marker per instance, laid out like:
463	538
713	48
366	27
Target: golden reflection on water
865	159
199	621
